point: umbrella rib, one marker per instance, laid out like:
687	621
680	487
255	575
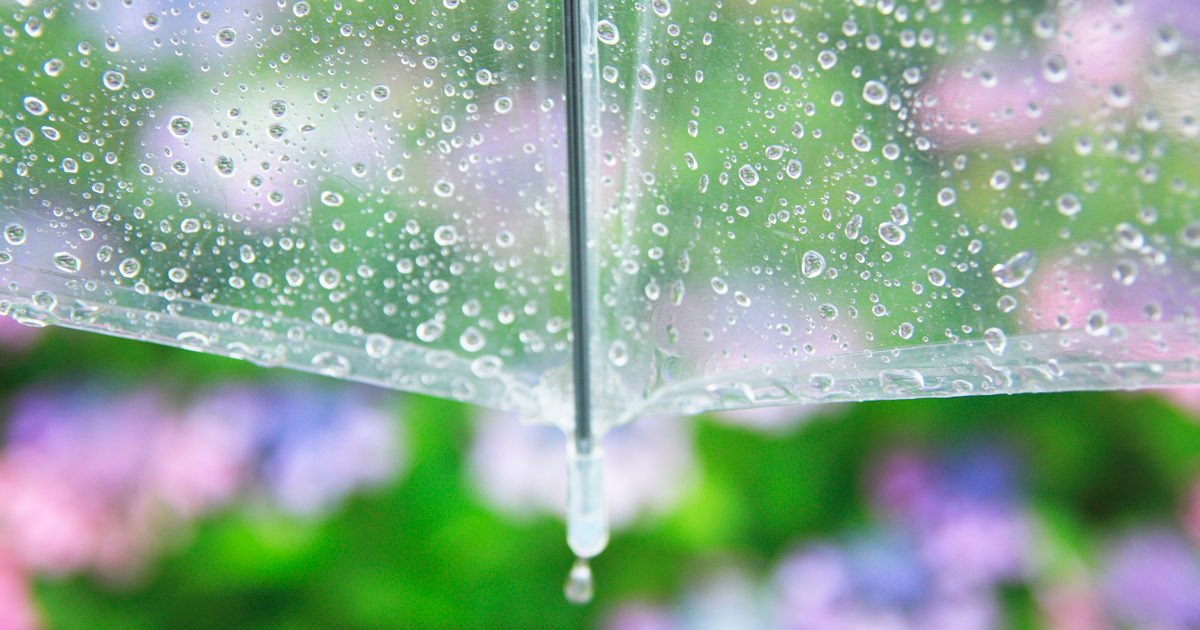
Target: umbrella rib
576	208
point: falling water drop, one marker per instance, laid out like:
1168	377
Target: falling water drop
580	585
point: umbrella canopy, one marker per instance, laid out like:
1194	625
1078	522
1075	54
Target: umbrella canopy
772	203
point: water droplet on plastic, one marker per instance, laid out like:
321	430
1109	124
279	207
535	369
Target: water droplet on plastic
23	136
67	262
1016	270
1054	69
430	330
300	9
113	80
472	340
748	174
34	105
891	233
226	37
812	264
180	126
607	32
875	93
1068	204
645	77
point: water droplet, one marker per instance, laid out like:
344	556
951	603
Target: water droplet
1190	235
300	9
329	278
67	262
321	317
445	235
1000	180
378	346
580	586
226	37
14	233
946	197
1125	272
645	77
1118	96
937	277
1008	219
380	92
905	330
503	105
180	126
661	8
618	353
996	340
23	136
69	165
113	80
448	124
443	188
1054	69
720	286
430	330
331	198
827	59
472	340
812	264
34	105
891	151
1068	204
225	166
1016	270
1006	303
1166	41
277	108
891	233
853	226
875	93
860	142
828	311
1096	323
177	274
794	169
748	174
53	67
772	80
607	32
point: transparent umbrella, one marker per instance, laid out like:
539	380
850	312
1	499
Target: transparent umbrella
637	208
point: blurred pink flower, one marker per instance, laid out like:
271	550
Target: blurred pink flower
16	337
17	610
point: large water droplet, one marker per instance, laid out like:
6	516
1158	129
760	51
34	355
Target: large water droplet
607	32
875	93
1016	270
645	77
180	126
748	174
113	80
812	264
34	105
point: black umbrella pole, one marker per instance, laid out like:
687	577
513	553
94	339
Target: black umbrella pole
587	520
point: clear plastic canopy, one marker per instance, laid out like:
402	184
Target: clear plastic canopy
785	201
